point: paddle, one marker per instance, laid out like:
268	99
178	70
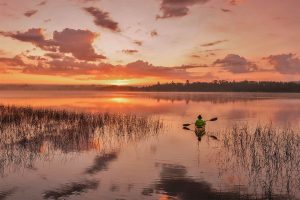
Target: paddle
211	120
212	136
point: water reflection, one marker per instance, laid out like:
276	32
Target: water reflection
101	162
214	97
28	134
81	98
73	188
175	183
200	132
265	106
6	193
266	158
119	150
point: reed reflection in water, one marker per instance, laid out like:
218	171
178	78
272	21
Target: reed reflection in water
69	189
66	159
267	157
174	183
27	134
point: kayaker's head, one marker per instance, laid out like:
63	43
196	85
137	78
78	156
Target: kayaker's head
199	117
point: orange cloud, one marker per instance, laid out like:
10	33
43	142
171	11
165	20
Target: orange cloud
195	56
14	63
2	52
70	67
54	55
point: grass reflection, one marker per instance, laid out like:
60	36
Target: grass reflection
6	193
101	162
267	157
74	188
27	134
174	183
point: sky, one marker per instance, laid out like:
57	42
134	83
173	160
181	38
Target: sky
138	42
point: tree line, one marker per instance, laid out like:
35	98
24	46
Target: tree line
226	86
215	86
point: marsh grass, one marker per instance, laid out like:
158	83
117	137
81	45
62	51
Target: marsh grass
27	133
267	155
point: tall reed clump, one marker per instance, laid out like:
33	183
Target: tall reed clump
268	156
25	132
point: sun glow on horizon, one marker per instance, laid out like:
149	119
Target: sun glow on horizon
120	82
128	82
37	44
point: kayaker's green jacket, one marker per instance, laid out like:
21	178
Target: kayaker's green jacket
200	123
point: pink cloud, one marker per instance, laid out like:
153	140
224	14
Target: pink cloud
138	42
285	63
30	13
77	42
177	8
213	43
130	51
225	10
42	3
14	63
234	2
102	18
153	33
235	64
34	36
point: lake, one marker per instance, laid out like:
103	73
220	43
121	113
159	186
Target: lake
250	152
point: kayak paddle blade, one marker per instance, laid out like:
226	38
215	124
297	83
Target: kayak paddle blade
186	128
186	124
213	119
213	137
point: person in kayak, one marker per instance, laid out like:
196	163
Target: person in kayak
200	122
200	127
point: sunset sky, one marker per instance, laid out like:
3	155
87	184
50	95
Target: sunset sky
139	42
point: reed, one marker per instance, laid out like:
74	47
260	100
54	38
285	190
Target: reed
267	155
27	133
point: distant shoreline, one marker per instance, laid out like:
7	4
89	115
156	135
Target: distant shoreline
216	86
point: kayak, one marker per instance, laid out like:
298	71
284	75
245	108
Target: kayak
200	131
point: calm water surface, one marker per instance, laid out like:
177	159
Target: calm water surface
172	164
